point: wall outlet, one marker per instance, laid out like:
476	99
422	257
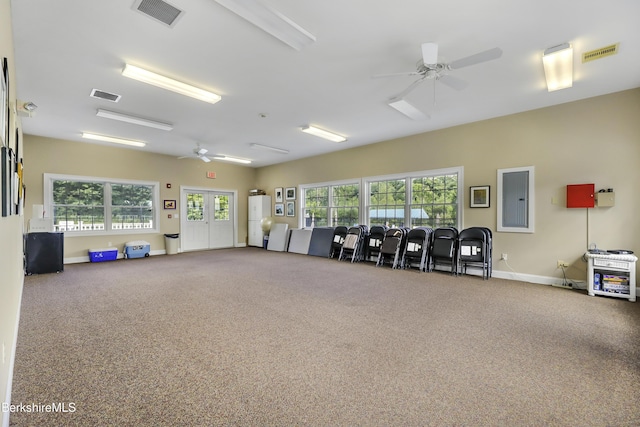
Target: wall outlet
562	264
503	257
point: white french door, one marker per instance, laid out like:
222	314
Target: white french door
208	219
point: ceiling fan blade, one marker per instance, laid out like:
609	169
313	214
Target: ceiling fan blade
453	82
201	151
487	55
408	73
205	159
411	87
430	53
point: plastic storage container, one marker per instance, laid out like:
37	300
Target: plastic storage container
137	249
101	255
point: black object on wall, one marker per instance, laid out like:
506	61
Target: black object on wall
44	253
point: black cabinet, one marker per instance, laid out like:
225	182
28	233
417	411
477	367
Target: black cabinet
44	253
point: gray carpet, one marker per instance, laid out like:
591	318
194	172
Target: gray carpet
251	337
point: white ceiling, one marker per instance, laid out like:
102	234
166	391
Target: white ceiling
66	48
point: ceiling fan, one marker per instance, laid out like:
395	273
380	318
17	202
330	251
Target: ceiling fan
198	153
428	68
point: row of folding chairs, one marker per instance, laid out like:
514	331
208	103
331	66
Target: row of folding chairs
423	248
354	244
471	247
395	247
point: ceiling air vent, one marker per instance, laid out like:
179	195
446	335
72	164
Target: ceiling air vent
105	95
600	53
159	10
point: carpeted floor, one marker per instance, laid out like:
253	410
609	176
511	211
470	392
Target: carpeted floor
250	337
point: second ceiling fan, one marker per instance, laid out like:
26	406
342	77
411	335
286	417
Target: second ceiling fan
429	68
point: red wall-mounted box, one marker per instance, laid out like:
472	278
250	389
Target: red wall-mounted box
581	195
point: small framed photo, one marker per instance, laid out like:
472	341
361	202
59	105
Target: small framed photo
169	204
291	193
291	208
279	209
278	194
479	196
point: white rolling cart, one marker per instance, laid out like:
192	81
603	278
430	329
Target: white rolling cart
612	275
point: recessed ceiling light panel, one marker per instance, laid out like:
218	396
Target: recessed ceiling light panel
312	130
167	83
113	139
134	120
270	21
269	148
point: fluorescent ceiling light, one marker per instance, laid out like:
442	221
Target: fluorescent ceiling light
270	21
268	148
133	119
163	82
231	159
558	66
407	109
323	134
113	139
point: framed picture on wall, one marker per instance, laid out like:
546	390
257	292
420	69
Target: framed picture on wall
479	196
291	208
291	193
169	204
279	209
278	194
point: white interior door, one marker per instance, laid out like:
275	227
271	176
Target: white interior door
221	220
208	220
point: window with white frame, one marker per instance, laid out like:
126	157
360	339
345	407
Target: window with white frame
331	204
84	205
421	199
427	198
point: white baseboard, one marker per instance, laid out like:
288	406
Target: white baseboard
541	280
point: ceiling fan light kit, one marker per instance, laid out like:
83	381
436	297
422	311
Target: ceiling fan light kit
407	109
270	21
113	139
312	130
133	120
167	83
558	66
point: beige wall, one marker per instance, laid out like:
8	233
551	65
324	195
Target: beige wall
592	141
11	272
47	155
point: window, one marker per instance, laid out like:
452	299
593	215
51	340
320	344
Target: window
427	198
345	204
221	208
516	200
434	201
431	199
83	205
316	205
195	207
387	202
331	204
